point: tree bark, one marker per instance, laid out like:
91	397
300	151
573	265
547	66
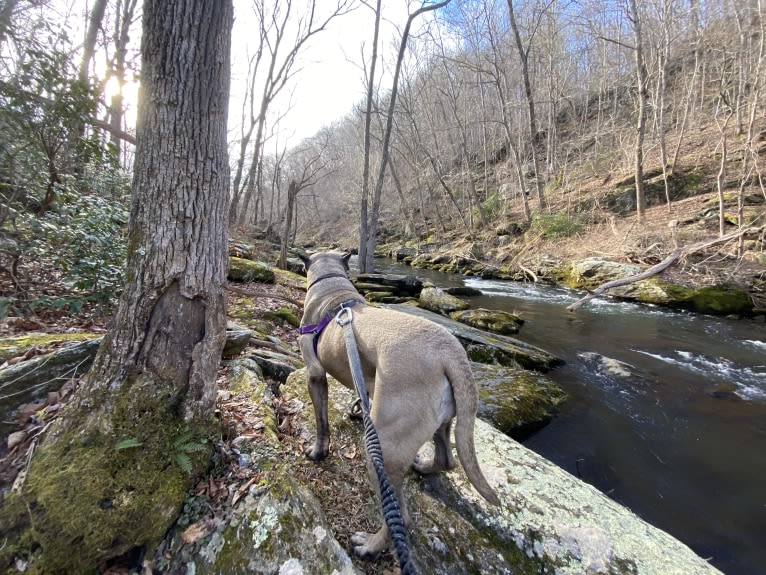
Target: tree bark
531	113
643	96
364	200
107	478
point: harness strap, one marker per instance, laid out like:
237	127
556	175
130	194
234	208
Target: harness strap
317	328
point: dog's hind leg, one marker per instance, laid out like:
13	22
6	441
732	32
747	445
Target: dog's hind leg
397	456
443	459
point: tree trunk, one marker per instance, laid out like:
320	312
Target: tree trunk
531	114
363	205
292	193
643	96
111	474
372	229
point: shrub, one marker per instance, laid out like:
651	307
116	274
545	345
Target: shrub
556	225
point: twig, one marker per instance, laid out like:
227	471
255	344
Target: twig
260	294
274	346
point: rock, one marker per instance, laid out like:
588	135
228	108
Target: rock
31	380
496	321
606	366
400	285
401	253
237	339
439	301
242	270
283	315
15	346
516	401
462	291
722	299
16	438
548	522
274	364
485	347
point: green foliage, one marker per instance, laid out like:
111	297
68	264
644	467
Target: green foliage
491	206
128	444
556	225
42	105
83	238
183	447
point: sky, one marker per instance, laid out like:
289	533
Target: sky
330	80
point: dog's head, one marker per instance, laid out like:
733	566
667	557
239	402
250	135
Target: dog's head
325	262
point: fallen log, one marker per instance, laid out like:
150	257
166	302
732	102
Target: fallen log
660	267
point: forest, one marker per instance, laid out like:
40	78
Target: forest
142	143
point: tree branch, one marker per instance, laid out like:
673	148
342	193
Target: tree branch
663	265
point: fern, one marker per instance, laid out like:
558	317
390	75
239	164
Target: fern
128	443
182	447
184	461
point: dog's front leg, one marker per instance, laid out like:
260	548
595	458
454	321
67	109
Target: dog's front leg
318	391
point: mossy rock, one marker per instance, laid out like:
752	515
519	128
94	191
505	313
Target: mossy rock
91	497
18	345
439	301
516	401
242	270
722	299
285	315
496	321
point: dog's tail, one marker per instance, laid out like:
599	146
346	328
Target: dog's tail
466	399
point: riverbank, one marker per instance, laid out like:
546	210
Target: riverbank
713	278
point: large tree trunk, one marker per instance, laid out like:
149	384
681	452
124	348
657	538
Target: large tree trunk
110	476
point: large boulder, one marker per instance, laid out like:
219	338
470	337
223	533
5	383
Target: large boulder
296	518
439	301
722	299
516	401
486	347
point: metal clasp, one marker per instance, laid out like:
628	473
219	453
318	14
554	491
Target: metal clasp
341	321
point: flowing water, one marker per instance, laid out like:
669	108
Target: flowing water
681	440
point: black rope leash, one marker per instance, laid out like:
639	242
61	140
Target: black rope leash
392	513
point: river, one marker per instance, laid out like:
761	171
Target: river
682	440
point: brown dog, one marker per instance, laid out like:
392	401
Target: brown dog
416	373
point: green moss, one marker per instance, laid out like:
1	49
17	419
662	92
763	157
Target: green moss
242	270
13	346
103	496
723	299
283	314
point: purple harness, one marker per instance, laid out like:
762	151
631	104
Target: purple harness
317	328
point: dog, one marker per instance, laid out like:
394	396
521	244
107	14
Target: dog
417	375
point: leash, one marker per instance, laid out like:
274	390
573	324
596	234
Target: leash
391	511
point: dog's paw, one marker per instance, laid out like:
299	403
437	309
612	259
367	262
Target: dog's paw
424	466
364	546
316	452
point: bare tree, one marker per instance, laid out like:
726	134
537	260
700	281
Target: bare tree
523	52
642	80
111	460
286	34
313	164
364	259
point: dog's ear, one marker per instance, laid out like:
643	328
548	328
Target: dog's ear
305	258
344	258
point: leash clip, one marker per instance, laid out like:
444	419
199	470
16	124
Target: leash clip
344	321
